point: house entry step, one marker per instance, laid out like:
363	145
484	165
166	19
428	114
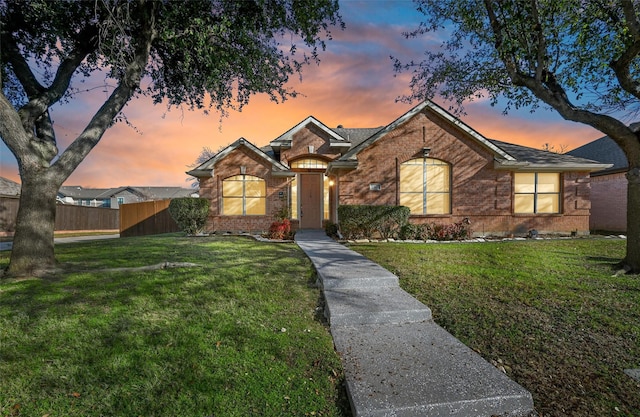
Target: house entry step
419	369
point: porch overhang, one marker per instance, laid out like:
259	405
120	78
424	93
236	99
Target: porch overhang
339	167
283	174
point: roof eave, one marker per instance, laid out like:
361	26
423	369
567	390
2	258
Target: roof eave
559	167
283	174
200	173
338	167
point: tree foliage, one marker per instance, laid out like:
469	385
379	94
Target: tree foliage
579	58
204	54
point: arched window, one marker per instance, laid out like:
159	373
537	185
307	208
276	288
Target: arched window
244	195
425	186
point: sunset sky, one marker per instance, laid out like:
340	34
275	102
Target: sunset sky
353	86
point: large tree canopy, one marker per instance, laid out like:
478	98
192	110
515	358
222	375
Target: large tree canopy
201	53
580	58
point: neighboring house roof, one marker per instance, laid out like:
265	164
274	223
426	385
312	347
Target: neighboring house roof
206	169
8	187
166	193
147	193
335	140
604	150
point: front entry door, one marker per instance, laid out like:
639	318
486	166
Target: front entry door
311	201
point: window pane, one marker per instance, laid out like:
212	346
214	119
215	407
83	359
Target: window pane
255	188
548	203
525	182
255	206
437	178
326	198
294	198
430	161
523	203
411	178
231	188
548	182
414	201
437	203
232	206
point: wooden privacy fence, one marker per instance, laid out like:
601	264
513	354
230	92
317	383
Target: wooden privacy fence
146	218
68	218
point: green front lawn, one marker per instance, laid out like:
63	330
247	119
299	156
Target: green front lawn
237	335
549	313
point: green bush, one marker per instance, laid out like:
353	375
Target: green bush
363	221
189	213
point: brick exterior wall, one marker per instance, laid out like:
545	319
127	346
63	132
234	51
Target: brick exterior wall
211	188
478	191
609	202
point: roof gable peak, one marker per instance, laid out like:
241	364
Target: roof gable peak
284	140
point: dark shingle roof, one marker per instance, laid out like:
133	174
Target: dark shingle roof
538	156
356	135
603	150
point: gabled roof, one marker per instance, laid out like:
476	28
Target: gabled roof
530	159
284	140
206	169
427	104
604	150
506	155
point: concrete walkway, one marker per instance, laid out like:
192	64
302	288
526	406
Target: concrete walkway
397	361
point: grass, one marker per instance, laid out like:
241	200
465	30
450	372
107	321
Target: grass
549	313
238	335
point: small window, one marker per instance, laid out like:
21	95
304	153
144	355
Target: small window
244	195
425	185
536	192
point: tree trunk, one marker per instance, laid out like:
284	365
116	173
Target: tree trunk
32	252
632	258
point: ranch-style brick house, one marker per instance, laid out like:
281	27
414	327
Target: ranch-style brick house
427	159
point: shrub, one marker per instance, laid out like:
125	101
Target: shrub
363	221
280	229
331	229
189	213
454	231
